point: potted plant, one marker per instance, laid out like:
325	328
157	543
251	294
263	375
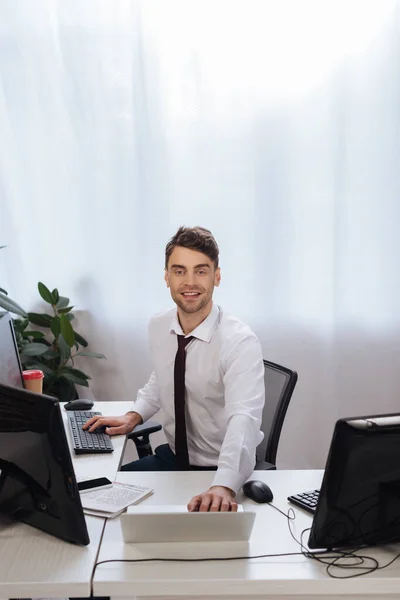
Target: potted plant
54	347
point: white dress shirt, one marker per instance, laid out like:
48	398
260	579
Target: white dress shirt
225	392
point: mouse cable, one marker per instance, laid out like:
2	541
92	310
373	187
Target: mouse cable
338	558
159	559
333	559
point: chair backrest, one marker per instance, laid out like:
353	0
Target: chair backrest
279	385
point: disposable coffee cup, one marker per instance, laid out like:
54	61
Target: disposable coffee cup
33	380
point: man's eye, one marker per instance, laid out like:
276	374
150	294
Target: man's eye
179	272
201	272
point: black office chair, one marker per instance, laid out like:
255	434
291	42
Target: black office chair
141	436
279	385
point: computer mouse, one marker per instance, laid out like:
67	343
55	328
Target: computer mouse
79	404
258	491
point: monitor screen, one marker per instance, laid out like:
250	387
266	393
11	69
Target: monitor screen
37	480
10	364
359	501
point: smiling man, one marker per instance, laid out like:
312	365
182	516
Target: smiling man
208	379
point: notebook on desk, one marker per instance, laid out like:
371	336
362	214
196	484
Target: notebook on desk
175	524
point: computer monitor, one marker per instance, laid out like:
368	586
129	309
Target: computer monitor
37	480
359	501
10	364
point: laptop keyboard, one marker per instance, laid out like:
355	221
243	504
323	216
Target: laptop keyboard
306	500
83	441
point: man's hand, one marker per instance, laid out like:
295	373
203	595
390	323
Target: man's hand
217	498
114	425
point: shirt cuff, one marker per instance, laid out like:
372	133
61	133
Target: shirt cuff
229	478
145	410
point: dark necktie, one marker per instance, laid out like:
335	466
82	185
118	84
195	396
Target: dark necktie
181	449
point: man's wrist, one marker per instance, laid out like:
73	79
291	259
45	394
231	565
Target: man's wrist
135	418
229	478
224	487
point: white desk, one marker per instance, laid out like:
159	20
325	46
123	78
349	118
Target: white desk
283	578
35	564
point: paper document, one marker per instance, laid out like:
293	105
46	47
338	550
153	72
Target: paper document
111	501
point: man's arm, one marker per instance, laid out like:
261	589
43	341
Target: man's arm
146	405
148	399
244	402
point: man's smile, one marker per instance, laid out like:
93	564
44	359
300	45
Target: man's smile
190	295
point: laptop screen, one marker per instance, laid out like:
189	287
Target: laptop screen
10	364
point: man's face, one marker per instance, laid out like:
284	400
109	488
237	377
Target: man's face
191	277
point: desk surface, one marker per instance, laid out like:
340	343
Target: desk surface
35	564
265	577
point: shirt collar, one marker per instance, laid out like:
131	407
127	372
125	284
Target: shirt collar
204	331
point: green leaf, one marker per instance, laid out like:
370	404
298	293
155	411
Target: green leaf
64	311
11	306
20	325
42	319
70	316
87	353
56	295
38	365
34	334
34	349
55	326
62	302
45	293
75	372
2	290
50	354
74	375
81	340
44	341
67	331
65	350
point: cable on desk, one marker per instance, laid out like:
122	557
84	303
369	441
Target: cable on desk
97	556
330	558
339	559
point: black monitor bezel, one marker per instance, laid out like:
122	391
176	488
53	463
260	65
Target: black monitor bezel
348	432
71	526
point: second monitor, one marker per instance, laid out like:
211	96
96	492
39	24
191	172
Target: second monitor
37	480
359	501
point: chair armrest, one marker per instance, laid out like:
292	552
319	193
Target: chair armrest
262	465
144	429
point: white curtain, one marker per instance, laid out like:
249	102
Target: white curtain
273	123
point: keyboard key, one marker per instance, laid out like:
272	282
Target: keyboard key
84	442
306	500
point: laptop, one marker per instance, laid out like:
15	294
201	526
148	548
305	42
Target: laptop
173	523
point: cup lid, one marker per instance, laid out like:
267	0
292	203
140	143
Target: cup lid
33	374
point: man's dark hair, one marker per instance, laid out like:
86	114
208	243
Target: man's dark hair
194	238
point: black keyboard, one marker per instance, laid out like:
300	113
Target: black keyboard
307	500
84	442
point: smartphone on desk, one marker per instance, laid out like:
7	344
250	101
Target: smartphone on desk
94	484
